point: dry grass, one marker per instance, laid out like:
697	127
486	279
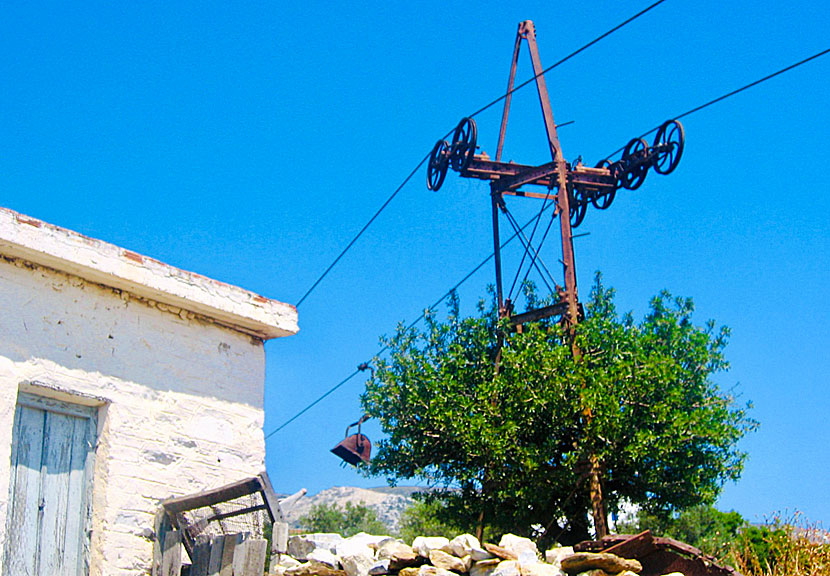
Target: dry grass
786	546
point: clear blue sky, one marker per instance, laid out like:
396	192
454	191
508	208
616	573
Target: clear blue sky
250	141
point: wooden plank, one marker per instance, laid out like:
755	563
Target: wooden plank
56	406
217	544
214	496
171	554
89	475
636	546
279	538
271	500
232	514
200	558
76	528
22	521
55	499
229	548
249	558
160	529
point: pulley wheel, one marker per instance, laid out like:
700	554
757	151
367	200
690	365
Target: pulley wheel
463	144
577	206
668	146
603	200
438	162
635	160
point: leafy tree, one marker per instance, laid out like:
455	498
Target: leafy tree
508	433
426	518
703	526
348	521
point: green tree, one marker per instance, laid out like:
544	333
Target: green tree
348	520
703	526
509	449
426	517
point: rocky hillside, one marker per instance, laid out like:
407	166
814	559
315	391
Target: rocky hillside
387	502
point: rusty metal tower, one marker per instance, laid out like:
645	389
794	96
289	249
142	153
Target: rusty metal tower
575	185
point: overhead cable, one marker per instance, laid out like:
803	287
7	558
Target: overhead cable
479	111
483	262
566	58
408	327
732	93
312	405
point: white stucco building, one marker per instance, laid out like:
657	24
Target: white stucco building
123	381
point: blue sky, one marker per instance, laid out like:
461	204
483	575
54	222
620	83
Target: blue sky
250	141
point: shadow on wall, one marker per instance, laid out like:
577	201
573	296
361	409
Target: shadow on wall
52	319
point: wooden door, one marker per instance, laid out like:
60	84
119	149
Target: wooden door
48	524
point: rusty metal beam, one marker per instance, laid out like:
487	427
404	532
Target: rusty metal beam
528	30
557	309
529	175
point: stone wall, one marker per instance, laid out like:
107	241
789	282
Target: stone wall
180	399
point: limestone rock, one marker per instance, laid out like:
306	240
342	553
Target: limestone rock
348	548
441	559
370	540
554	555
464	545
399	554
355	556
500	552
304	544
523	548
324	556
287	562
408	572
427	570
380	567
423	544
479	554
540	569
507	568
314	569
484	567
358	564
584	561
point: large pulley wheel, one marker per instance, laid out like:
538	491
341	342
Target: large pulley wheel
616	170
577	206
463	144
635	161
668	146
604	200
439	159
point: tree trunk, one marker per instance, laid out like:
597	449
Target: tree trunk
480	527
597	503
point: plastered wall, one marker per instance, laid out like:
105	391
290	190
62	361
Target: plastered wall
180	399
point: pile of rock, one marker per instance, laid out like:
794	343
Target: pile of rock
368	555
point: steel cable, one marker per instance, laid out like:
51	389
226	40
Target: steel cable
479	266
477	112
730	94
566	58
410	325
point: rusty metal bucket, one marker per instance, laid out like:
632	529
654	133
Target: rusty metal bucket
355	448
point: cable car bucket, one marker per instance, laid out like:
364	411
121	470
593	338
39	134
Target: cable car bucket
355	448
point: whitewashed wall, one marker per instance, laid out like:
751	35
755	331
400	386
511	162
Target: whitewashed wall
182	398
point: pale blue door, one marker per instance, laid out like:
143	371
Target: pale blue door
47	529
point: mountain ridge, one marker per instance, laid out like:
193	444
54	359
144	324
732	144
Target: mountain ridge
388	502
